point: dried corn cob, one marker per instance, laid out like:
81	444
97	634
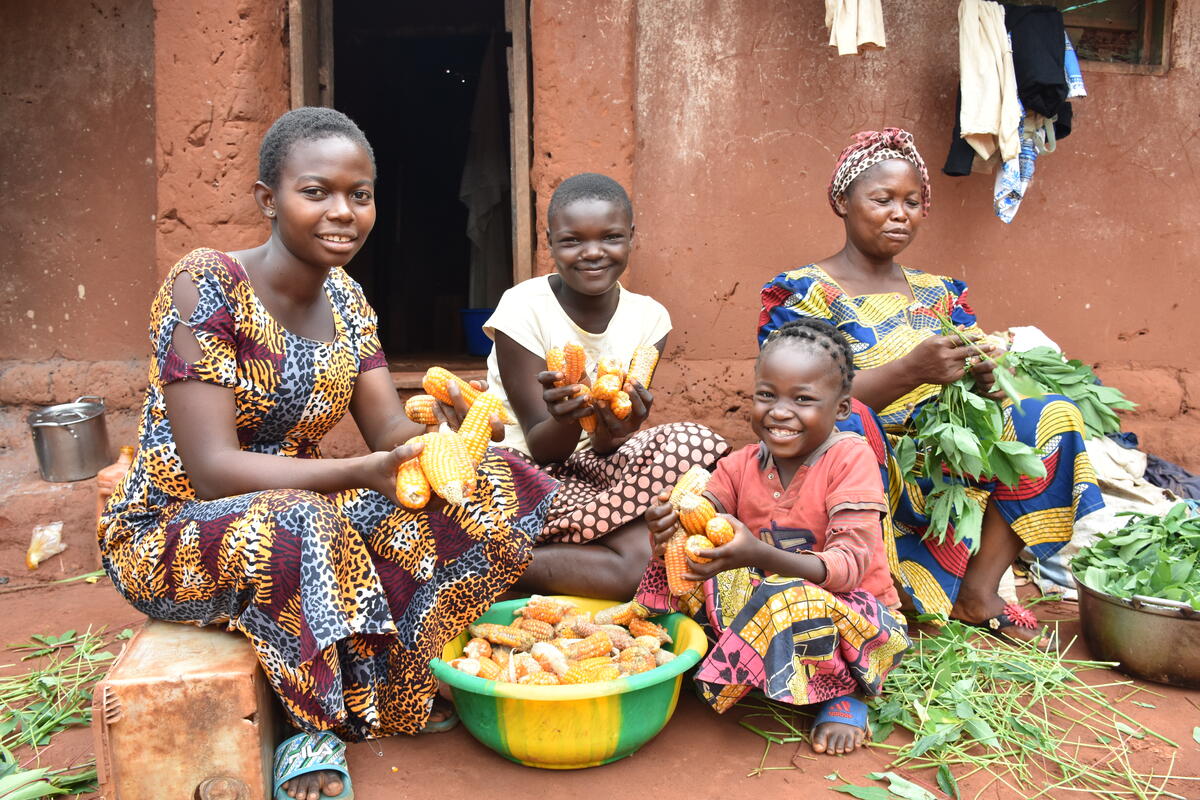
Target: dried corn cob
621	405
694	544
693	481
641	366
539	679
588	422
447	466
695	510
488	669
676	563
506	635
606	388
621	614
542	631
545	609
437	382
598	644
609	366
523	664
651	643
412	487
549	657
501	655
467	665
620	637
644	627
419	408
579	629
575	363
636	659
594	661
476	428
557	362
478	648
663	656
719	531
592	674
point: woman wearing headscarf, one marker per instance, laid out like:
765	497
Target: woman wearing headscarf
891	315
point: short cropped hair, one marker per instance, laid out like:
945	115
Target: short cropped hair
589	186
305	124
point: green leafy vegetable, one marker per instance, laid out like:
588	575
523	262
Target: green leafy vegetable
1073	378
902	787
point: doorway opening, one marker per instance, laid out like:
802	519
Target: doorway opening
429	84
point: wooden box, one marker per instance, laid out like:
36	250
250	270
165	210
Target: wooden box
182	705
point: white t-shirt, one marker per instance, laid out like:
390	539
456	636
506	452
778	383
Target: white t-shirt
530	315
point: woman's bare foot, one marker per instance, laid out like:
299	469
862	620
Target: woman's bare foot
1025	627
314	785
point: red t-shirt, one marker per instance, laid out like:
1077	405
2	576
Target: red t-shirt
831	508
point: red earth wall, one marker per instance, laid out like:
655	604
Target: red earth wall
724	120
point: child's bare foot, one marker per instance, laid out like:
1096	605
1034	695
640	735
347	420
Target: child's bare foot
314	785
840	726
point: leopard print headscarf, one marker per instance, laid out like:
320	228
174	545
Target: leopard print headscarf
870	148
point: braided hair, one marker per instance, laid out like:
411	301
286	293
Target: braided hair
304	125
817	335
589	186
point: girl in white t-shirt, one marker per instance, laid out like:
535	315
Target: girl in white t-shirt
595	542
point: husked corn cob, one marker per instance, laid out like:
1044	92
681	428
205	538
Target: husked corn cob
641	366
580	628
598	644
476	428
542	631
550	657
621	405
609	366
412	487
557	362
636	659
695	543
719	531
651	643
621	614
694	481
539	679
575	360
606	387
419	408
695	510
644	627
506	635
488	669
543	608
620	637
592	674
676	563
437	382
447	466
501	655
523	664
588	423
662	656
478	648
467	665
593	662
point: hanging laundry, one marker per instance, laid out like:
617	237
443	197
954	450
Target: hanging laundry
989	112
853	24
1038	56
1015	175
1071	68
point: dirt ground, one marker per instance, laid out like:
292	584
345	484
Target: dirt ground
698	755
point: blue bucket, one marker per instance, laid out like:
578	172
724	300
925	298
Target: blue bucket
478	344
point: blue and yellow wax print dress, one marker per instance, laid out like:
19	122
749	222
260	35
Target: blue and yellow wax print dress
883	327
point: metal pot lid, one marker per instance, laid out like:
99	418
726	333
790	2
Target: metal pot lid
84	408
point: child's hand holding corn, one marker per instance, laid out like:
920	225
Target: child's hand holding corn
612	432
564	401
746	550
661	520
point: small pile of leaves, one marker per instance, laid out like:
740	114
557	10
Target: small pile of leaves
49	698
1151	555
1056	374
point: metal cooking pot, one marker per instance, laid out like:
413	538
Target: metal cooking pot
1152	638
70	439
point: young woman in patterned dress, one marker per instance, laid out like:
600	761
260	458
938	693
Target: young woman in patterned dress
229	514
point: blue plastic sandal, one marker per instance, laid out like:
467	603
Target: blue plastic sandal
848	710
311	752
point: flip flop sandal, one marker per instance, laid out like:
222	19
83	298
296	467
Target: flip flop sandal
311	752
1015	615
444	724
848	710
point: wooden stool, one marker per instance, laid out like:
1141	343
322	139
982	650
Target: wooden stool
184	712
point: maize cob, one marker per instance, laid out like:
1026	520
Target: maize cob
542	631
549	657
593	662
641	366
606	388
598	644
523	664
693	481
476	428
557	362
636	659
543	608
467	665
437	382
478	648
663	656
588	422
574	675
644	627
539	679
506	635
447	466
419	408
719	531
575	362
609	366
579	629
591	674
620	637
695	510
621	405
695	543
412	487
501	655
621	614
676	562
651	643
488	670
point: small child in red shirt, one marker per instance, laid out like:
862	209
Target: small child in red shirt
801	603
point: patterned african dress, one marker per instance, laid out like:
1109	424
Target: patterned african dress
798	642
883	327
344	596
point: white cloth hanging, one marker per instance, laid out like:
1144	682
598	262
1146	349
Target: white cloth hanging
991	112
854	23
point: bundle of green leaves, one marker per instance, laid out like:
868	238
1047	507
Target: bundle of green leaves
1055	373
1151	555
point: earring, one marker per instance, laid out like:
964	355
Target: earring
270	212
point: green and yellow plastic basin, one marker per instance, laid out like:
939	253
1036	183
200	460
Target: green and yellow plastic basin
571	727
